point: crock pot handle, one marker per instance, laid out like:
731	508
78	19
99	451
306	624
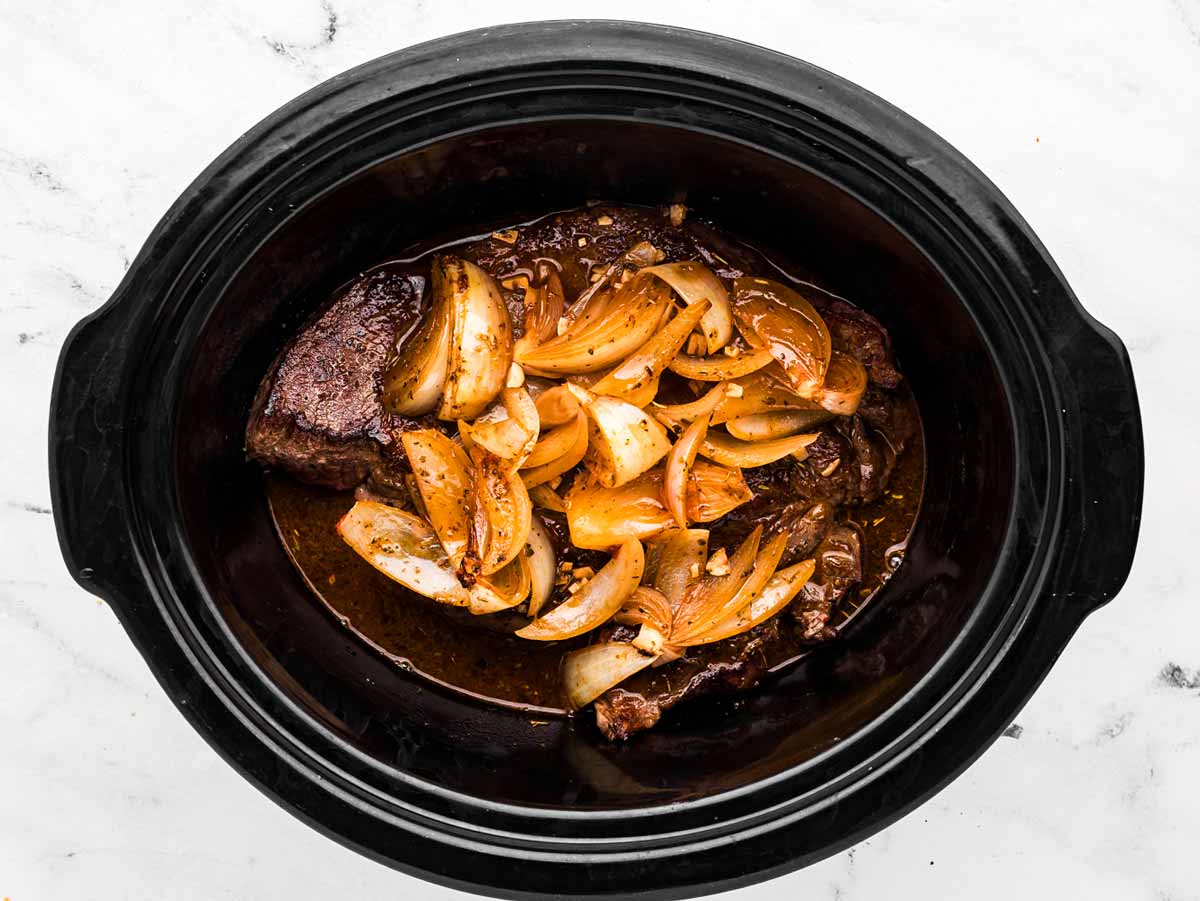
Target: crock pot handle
1105	467
86	485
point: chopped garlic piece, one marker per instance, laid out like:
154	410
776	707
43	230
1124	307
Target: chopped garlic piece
508	236
831	468
604	220
516	376
677	212
563	324
734	390
582	242
694	572
718	563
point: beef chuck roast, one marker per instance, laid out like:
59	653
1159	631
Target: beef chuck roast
318	414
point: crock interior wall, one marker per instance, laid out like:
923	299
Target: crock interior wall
463	186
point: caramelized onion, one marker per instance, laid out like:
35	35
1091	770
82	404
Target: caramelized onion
759	392
623	440
636	379
768	558
547	498
503	589
404	548
413	385
845	383
747	454
695	283
777	318
594	603
590	344
600	517
543	566
720	367
681	557
442	474
646	606
775	424
675	416
714	490
481	338
539	475
710	594
590	672
556	406
557	442
501	515
778	593
509	429
679	463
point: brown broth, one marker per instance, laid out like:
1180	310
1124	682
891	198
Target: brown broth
479	655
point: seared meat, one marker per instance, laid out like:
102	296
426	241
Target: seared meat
860	334
317	414
723	668
839	569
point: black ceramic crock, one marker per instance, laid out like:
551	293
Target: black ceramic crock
1028	524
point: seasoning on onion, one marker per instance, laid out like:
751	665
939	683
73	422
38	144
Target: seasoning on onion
696	283
762	391
651	611
544	306
501	515
777	318
709	595
623	440
636	379
600	517
481	338
443	478
404	548
720	367
413	385
547	498
556	406
557	442
502	590
713	490
548	472
596	602
590	672
768	558
845	383
509	429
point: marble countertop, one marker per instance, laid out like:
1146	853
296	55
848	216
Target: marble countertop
1087	115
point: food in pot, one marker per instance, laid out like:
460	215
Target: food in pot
623	460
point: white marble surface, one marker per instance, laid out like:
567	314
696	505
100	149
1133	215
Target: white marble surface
1086	114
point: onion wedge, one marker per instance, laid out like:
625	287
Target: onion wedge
778	593
588	345
765	563
481	340
442	474
543	566
646	606
679	463
759	392
600	518
404	548
777	318
502	590
502	513
703	599
623	440
730	451
590	672
680	562
714	490
695	283
557	442
509	430
539	475
596	601
845	383
636	379
720	367
413	385
775	424
556	406
675	416
547	498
